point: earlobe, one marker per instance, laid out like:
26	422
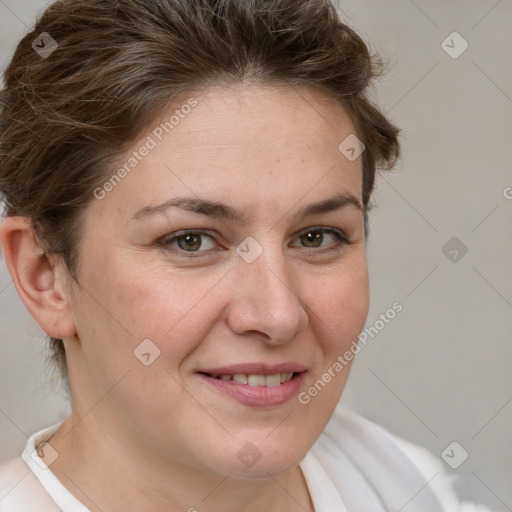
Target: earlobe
38	280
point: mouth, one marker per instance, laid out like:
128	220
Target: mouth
254	380
255	389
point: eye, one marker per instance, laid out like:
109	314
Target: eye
313	238
189	241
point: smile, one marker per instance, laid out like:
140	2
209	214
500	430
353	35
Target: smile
257	380
256	390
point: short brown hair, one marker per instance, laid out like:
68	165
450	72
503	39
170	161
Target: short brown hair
65	118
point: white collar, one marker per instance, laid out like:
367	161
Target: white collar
324	494
52	485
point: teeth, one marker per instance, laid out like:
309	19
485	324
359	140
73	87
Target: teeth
258	380
273	380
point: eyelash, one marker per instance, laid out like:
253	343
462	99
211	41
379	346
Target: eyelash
341	240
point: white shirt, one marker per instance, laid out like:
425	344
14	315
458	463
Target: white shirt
354	466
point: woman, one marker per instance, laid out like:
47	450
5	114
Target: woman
187	187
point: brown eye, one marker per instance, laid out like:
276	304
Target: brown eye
189	241
314	238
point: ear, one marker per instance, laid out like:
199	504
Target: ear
40	282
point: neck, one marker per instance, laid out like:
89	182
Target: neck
106	475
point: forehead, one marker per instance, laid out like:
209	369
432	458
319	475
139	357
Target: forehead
254	114
271	144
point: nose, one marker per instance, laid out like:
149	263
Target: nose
265	300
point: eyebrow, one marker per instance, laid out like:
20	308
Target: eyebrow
223	211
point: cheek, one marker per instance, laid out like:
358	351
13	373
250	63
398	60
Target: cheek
174	310
340	304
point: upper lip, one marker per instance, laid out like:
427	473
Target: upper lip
255	369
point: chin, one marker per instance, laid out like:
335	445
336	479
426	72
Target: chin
262	471
258	461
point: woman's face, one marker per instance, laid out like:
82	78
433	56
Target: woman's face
269	290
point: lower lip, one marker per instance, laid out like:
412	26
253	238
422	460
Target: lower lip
258	396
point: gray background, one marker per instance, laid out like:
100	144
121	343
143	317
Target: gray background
441	370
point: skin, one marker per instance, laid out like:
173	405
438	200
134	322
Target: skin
267	151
